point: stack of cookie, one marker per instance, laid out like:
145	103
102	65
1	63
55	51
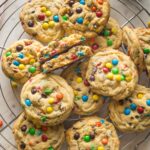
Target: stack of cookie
81	38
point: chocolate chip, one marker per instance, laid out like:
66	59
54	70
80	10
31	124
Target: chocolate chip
33	90
79	10
19	48
44	95
92	135
137	117
22	145
30	23
71	2
121	102
70	13
76	136
23	128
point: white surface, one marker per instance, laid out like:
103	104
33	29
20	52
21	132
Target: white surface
11	31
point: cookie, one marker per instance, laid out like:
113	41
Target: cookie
112	73
86	102
111	37
92	133
30	137
135	51
72	55
132	114
47	99
40	18
85	16
59	46
21	60
144	38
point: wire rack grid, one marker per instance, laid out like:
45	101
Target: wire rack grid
127	12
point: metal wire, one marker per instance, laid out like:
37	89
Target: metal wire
7	124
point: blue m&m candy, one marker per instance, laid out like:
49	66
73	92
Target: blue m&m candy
102	121
115	62
148	102
16	63
80	20
56	18
28	102
84	98
133	106
82	2
127	111
21	55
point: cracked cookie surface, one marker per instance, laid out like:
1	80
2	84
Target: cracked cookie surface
86	102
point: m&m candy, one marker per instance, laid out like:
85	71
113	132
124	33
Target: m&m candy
84	98
28	102
82	2
80	20
56	18
115	70
49	109
127	111
31	131
148	102
108	65
16	63
1	123
87	138
32	69
115	62
8	54
79	80
133	106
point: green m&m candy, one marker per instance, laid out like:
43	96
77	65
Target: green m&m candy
146	50
32	69
8	54
31	131
48	91
87	138
115	70
109	42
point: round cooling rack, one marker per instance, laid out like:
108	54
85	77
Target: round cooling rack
128	12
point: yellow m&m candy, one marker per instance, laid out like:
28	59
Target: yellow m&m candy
51	24
51	100
79	80
128	78
114	30
140	95
108	65
45	26
110	76
75	92
49	109
100	148
118	77
95	97
48	13
21	66
43	9
32	61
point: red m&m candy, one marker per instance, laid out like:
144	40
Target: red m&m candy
140	110
41	17
99	13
